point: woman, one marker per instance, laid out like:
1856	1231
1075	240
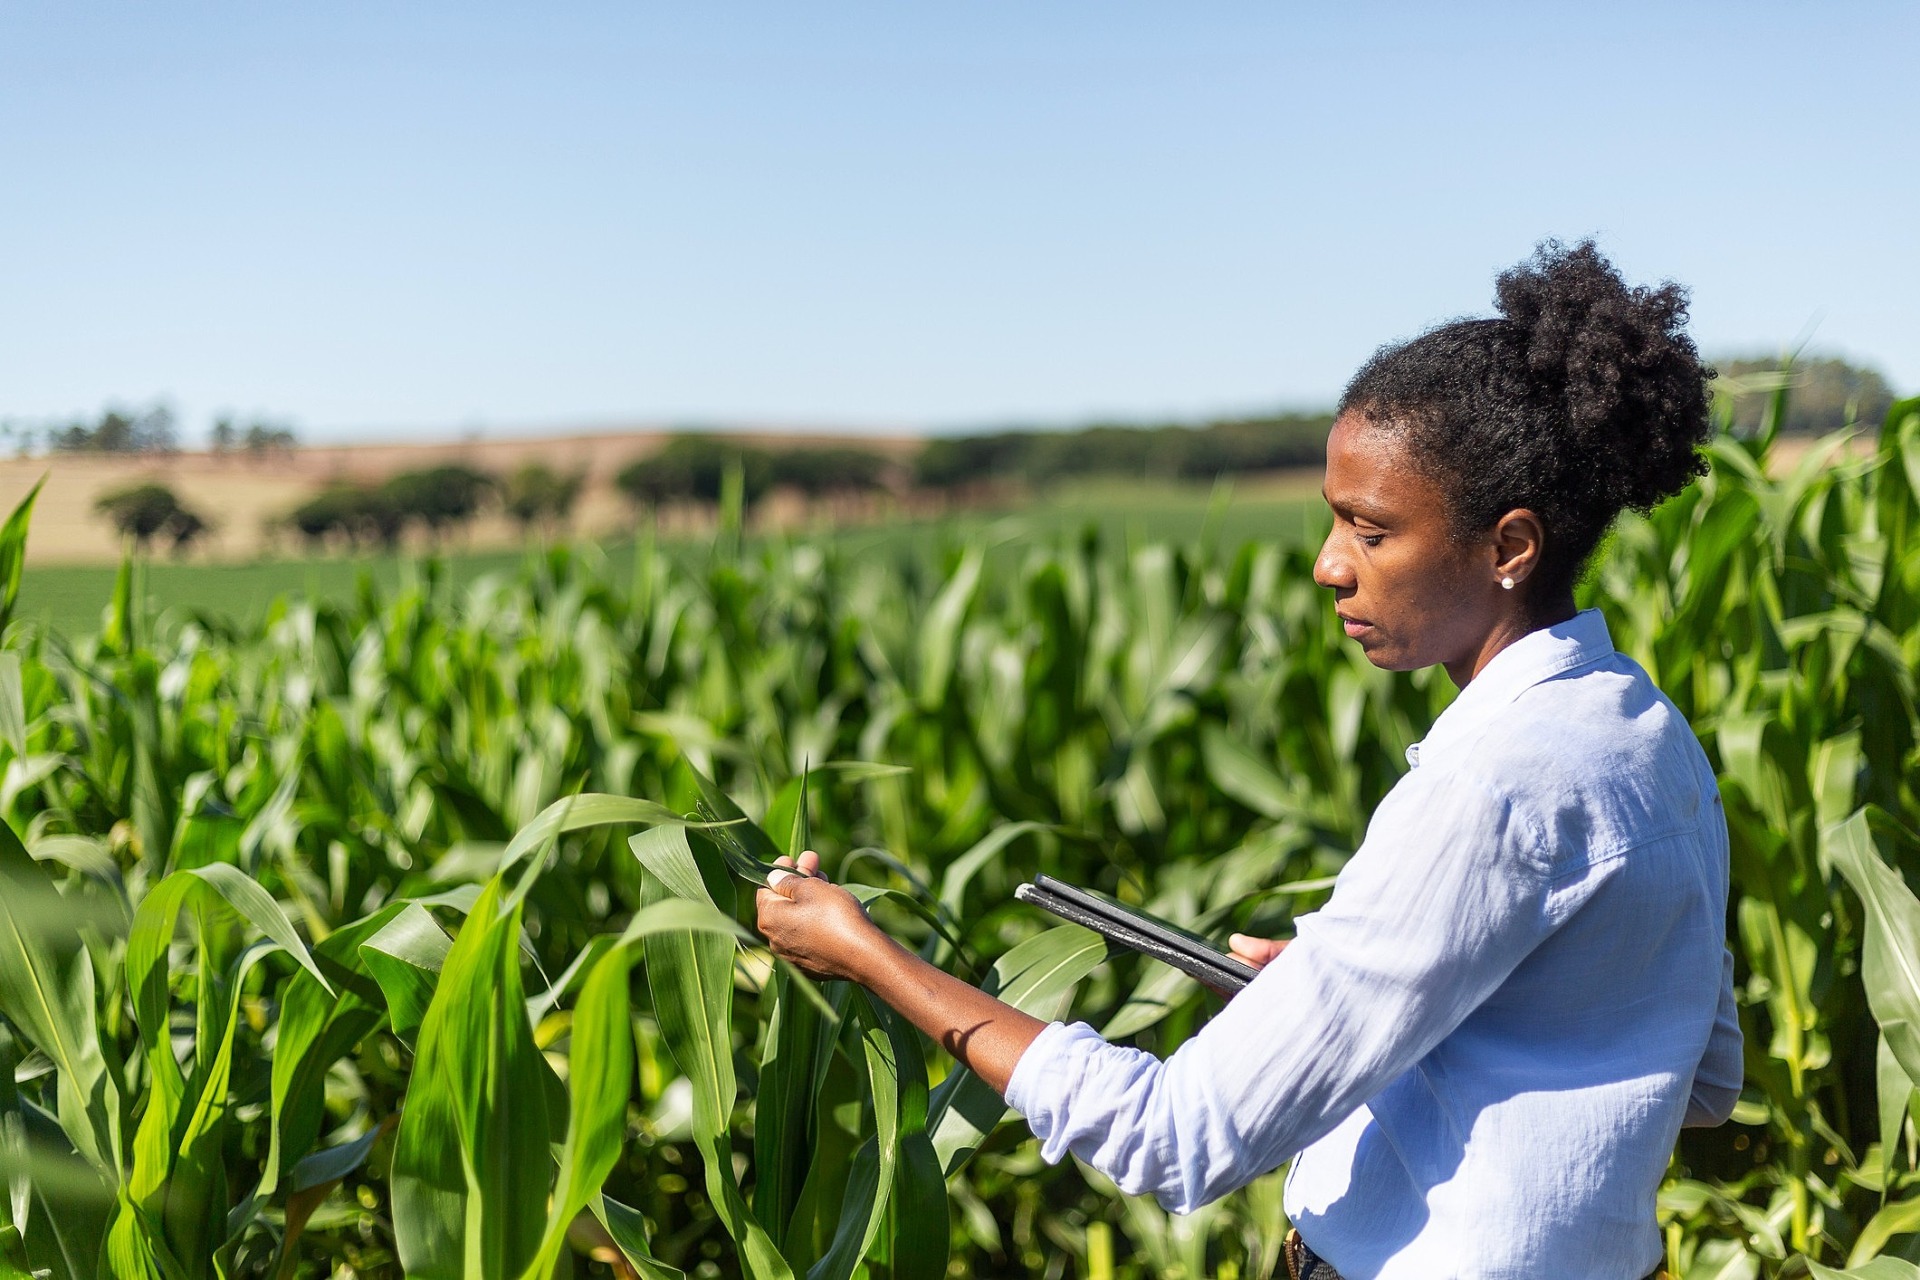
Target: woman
1479	1053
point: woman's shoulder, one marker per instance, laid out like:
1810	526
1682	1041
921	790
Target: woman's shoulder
1598	758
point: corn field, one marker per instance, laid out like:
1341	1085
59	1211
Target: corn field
402	937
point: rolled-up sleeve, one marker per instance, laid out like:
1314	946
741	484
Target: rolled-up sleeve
1717	1080
1448	893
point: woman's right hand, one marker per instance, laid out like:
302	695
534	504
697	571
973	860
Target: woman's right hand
1255	951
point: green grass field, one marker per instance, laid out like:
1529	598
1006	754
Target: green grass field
71	598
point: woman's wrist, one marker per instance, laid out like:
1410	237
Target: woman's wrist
877	959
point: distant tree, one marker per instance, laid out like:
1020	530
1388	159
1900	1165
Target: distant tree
185	529
440	497
225	435
350	513
948	461
324	515
378	520
267	437
144	511
829	470
149	431
1824	394
692	468
536	492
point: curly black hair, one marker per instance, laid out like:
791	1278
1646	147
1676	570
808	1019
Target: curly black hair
1585	397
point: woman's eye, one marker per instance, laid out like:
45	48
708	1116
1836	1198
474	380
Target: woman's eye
1371	539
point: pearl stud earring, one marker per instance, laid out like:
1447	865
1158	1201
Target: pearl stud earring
1507	582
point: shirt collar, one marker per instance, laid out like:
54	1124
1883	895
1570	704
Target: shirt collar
1535	657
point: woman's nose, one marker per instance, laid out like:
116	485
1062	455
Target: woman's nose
1330	568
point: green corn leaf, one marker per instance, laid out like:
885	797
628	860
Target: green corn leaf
691	978
1900	1218
599	1082
257	908
47	993
16	1196
1890	955
471	1168
1898	1098
1238	772
316	1029
783	1130
405	956
72	1205
750	853
1159	990
13	707
334	1163
1037	977
940	630
13	553
667	855
1878	1269
786	820
917	1210
314	1178
628	1231
196	1193
541	1005
178	1175
577	813
838	1134
870	1178
960	872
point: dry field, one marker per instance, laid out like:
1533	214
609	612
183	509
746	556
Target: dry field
242	497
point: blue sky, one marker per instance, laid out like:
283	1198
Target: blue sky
378	219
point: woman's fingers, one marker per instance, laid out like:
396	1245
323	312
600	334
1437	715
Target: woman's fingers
1256	951
808	866
814	924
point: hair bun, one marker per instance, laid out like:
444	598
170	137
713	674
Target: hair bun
1619	359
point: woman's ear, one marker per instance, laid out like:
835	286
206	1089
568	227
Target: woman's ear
1519	540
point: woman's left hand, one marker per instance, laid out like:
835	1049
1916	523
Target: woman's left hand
1258	952
815	924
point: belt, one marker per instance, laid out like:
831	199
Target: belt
1304	1264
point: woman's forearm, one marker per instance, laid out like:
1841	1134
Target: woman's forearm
821	928
985	1033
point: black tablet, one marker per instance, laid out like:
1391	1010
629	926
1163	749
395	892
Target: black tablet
1193	955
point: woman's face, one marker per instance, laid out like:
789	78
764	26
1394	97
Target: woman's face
1412	594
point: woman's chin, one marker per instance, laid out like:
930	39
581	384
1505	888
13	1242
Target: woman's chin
1386	655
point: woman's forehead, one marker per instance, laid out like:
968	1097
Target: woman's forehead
1368	468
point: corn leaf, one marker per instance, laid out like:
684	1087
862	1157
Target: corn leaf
1037	977
13	553
691	978
471	1169
405	956
47	993
1878	1269
628	1231
1890	952
599	1082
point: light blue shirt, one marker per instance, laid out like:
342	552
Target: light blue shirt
1479	1053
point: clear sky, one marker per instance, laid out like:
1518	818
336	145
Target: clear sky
419	219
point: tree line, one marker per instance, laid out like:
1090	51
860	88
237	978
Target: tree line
152	430
694	469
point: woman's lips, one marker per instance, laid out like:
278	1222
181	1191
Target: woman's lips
1356	627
